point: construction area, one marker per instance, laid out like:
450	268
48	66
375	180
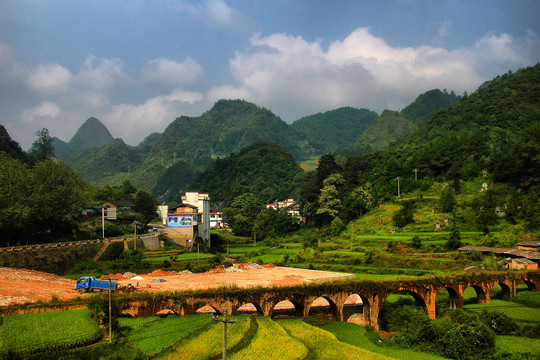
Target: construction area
20	285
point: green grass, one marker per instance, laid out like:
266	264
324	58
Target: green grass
48	330
521	313
270	335
324	345
209	343
356	335
518	345
151	335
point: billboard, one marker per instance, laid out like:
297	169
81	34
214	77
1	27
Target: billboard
180	221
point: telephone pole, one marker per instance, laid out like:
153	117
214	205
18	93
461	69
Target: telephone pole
415	171
225	322
110	314
398	192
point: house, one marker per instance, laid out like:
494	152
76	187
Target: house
190	221
523	264
216	219
529	245
113	209
292	206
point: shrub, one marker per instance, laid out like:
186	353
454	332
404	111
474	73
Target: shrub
466	340
499	322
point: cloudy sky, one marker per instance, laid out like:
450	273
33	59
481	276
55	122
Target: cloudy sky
136	65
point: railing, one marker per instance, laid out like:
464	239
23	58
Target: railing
68	243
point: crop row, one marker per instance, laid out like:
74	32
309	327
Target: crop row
48	331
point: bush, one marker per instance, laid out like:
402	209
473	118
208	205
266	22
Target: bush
466	340
99	305
499	322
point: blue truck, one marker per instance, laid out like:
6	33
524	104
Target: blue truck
89	283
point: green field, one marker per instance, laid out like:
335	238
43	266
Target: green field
33	332
151	335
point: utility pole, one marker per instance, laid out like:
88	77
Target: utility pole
103	223
225	322
110	314
415	171
398	192
135	239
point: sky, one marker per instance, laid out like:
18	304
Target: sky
137	65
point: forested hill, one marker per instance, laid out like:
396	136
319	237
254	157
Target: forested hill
229	126
265	169
10	146
389	127
333	130
428	103
107	160
92	133
497	129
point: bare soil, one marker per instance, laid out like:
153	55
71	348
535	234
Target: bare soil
19	285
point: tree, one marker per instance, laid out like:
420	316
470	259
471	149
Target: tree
330	202
146	205
14	199
359	201
274	222
454	241
327	166
447	201
58	195
405	215
241	213
128	190
42	148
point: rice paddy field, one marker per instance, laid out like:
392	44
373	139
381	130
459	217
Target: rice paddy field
75	332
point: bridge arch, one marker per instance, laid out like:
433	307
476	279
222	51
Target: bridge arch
357	309
205	309
250	309
286	308
446	298
393	306
501	291
481	294
323	305
530	286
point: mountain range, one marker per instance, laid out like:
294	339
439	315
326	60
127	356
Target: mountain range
189	145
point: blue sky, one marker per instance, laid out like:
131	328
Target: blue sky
137	65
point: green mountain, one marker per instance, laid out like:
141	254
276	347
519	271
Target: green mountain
428	103
497	129
111	158
389	127
333	130
10	146
61	148
91	134
265	169
229	126
174	180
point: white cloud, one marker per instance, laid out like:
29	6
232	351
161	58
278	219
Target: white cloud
217	13
295	77
169	71
50	79
135	122
45	110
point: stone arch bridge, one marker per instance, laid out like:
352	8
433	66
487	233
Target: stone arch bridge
372	294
